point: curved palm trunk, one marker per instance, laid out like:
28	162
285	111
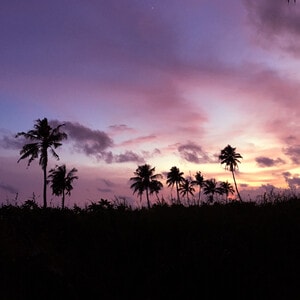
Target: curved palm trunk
45	187
236	187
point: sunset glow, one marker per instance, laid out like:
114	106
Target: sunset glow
168	83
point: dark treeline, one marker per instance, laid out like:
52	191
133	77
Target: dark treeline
237	250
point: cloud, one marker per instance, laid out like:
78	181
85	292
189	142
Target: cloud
86	140
107	187
244	185
286	174
276	21
294	153
263	161
138	140
108	182
150	154
193	153
128	156
8	188
10	142
120	128
104	190
292	181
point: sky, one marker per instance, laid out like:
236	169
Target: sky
167	83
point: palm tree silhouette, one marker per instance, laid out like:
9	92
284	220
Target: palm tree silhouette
155	187
175	177
210	187
43	137
145	180
199	180
226	188
231	158
186	188
61	181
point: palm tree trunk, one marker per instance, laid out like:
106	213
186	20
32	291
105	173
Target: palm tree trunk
147	195
178	200
236	187
45	187
199	199
63	200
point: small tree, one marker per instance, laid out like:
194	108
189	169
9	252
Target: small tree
61	181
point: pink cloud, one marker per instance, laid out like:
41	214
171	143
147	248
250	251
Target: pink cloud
276	22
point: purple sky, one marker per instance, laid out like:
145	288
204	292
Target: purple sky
160	82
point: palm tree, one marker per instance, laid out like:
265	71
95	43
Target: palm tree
199	180
231	158
155	187
61	181
145	180
186	188
211	188
226	188
42	137
175	177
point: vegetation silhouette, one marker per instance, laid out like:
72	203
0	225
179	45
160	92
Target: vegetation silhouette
146	180
226	189
186	188
242	250
211	188
61	181
230	158
42	137
199	180
175	177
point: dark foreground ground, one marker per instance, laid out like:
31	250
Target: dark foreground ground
236	251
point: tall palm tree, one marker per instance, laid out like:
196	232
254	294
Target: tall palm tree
226	188
42	137
175	177
186	188
61	181
231	158
144	180
199	180
210	187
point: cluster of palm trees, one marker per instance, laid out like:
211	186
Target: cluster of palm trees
44	138
145	180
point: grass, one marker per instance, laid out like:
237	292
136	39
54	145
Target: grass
238	250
